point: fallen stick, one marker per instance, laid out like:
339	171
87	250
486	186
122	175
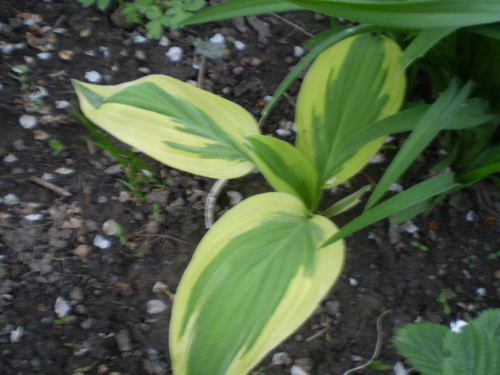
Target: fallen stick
51	186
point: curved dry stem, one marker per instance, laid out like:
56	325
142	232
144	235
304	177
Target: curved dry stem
212	200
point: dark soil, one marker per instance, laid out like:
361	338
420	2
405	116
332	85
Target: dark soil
108	330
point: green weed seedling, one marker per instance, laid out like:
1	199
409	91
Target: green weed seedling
20	74
442	299
494	256
155	15
466	349
378	365
420	246
57	147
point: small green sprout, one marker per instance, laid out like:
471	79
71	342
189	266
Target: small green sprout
57	146
420	246
494	256
442	299
380	366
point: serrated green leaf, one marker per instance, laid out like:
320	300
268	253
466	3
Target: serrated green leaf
154	29
423	346
409	14
285	168
254	278
103	4
239	8
350	86
173	122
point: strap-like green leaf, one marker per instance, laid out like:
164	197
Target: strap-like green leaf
254	278
350	86
423	346
346	203
173	122
423	42
409	14
285	168
408	198
433	121
239	8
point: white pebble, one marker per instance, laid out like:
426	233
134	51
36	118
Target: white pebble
62	307
7	49
164	41
105	51
396	188
481	292
34	217
409	227
156	306
44	56
28	121
65	171
283	132
175	54
93	76
399	369
282	358
15	335
235	197
298	51
1	87
471	216
217	38
267	98
240	46
377	159
40	93
353	281
62	104
11	158
48	177
11	199
159	287
457	326
139	39
297	370
101	242
389	139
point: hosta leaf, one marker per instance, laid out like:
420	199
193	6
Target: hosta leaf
409	14
254	278
173	122
285	168
350	86
423	345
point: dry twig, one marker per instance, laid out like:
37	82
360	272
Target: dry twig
51	186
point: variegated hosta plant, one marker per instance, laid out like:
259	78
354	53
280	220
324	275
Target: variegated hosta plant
261	270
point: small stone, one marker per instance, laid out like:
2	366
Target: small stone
139	39
85	33
305	363
66	54
40	93
11	158
496	274
44	56
125	196
353	281
34	217
114	169
481	292
65	171
11	200
332	307
471	216
282	358
298	51
238	70
15	335
87	324
156	306
164	41
123	341
175	54
101	242
82	251
110	227
396	188
28	121
217	39
93	76
140	55
1	87
144	70
377	159
76	294
159	287
48	177
105	52
458	325
62	104
255	61
240	46
235	197
40	135
283	132
410	227
62	307
297	370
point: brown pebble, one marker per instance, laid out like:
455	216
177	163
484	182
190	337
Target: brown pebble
238	70
289	60
82	250
496	274
140	55
256	61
